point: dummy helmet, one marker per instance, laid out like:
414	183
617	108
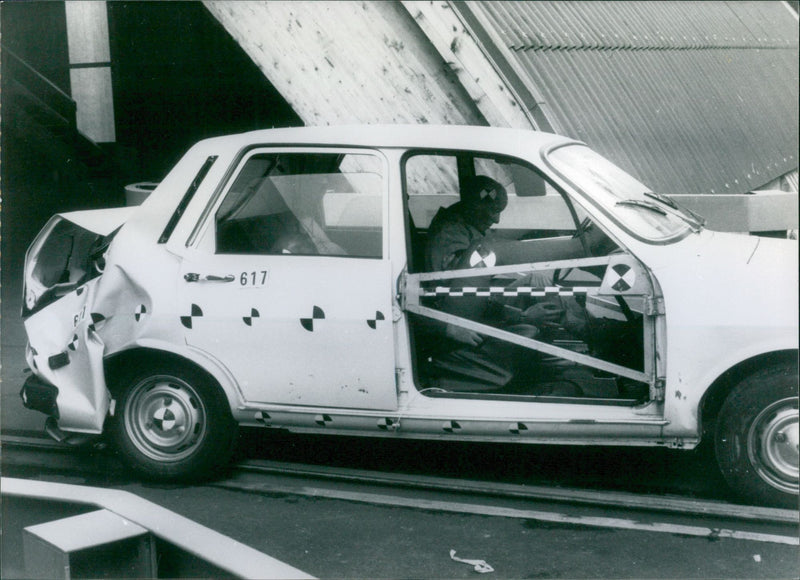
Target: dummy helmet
485	193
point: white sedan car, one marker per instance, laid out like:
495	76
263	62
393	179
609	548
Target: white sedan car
283	278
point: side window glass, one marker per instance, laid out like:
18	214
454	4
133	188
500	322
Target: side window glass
431	182
308	204
535	208
538	223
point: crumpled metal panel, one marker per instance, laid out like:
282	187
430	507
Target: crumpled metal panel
691	97
100	317
69	338
68	328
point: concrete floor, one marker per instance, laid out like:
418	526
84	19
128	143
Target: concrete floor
334	538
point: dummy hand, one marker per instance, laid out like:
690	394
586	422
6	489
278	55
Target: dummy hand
469	337
543	313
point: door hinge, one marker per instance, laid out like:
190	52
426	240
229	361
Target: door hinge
659	389
400	289
653	306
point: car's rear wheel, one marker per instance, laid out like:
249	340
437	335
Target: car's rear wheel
172	422
756	439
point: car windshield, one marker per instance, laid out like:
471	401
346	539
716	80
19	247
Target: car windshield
630	202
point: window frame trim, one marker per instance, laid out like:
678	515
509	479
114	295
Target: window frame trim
180	209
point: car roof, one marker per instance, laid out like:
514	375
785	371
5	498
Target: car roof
512	142
397	136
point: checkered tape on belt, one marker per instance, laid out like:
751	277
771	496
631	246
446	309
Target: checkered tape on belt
502	291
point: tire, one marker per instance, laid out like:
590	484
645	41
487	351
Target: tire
756	439
172	422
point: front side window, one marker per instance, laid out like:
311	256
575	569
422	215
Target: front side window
538	222
308	204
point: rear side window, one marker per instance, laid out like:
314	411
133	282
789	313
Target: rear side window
308	204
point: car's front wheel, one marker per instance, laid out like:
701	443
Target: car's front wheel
756	439
172	422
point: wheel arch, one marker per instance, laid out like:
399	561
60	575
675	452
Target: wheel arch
716	394
200	440
141	356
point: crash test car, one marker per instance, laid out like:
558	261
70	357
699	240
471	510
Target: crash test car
280	278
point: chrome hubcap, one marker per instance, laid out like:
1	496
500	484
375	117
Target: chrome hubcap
165	418
773	445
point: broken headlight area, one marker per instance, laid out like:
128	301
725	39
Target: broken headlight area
63	257
39	395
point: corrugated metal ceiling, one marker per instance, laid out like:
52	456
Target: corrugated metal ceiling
692	97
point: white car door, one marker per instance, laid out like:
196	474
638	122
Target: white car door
289	286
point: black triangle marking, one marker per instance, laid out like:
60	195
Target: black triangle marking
621	286
140	310
621	269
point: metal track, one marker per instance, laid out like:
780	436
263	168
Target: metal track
610	499
535	493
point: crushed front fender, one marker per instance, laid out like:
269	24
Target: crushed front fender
66	350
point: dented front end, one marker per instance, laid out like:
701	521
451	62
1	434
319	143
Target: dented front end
64	281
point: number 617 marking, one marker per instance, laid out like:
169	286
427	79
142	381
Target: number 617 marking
253	279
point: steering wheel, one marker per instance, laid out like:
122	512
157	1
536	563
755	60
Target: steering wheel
595	241
583	228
